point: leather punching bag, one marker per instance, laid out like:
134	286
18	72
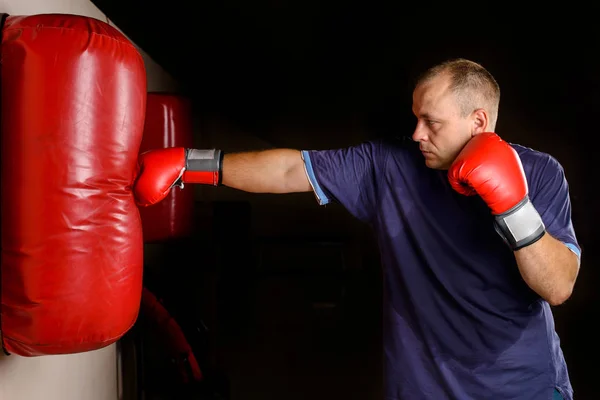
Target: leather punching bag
73	92
168	124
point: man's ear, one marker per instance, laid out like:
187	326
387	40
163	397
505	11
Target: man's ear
480	121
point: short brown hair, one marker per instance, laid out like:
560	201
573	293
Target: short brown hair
474	86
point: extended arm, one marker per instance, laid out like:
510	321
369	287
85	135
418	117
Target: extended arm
268	171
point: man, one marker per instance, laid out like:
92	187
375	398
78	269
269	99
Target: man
475	235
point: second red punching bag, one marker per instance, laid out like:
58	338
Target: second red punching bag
168	124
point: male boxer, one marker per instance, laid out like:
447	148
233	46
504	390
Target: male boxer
475	234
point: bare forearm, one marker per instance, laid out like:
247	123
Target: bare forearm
549	268
267	171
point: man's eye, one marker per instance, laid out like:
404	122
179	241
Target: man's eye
430	122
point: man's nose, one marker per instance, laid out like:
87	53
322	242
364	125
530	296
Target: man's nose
420	134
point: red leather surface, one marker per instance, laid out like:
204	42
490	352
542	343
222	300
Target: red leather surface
73	93
168	124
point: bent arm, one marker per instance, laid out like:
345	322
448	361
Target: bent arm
549	268
551	265
267	171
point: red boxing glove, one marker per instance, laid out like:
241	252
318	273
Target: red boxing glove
159	170
491	168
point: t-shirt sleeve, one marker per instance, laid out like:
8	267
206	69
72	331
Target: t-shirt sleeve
552	201
348	176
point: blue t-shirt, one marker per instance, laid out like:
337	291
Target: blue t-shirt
459	320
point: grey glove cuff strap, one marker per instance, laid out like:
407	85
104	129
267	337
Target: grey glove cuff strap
520	226
205	161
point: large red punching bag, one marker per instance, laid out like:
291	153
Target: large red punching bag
73	92
168	124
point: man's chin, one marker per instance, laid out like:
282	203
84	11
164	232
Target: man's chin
435	164
432	163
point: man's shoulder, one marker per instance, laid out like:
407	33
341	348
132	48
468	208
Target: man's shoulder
536	160
543	171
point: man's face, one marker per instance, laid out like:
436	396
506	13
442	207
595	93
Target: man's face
441	131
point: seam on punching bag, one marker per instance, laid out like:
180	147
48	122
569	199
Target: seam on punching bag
110	339
122	41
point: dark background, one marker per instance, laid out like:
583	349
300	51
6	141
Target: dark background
314	74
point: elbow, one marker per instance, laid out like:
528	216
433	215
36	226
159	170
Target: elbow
557	300
565	290
559	297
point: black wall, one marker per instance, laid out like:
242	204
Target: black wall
342	71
